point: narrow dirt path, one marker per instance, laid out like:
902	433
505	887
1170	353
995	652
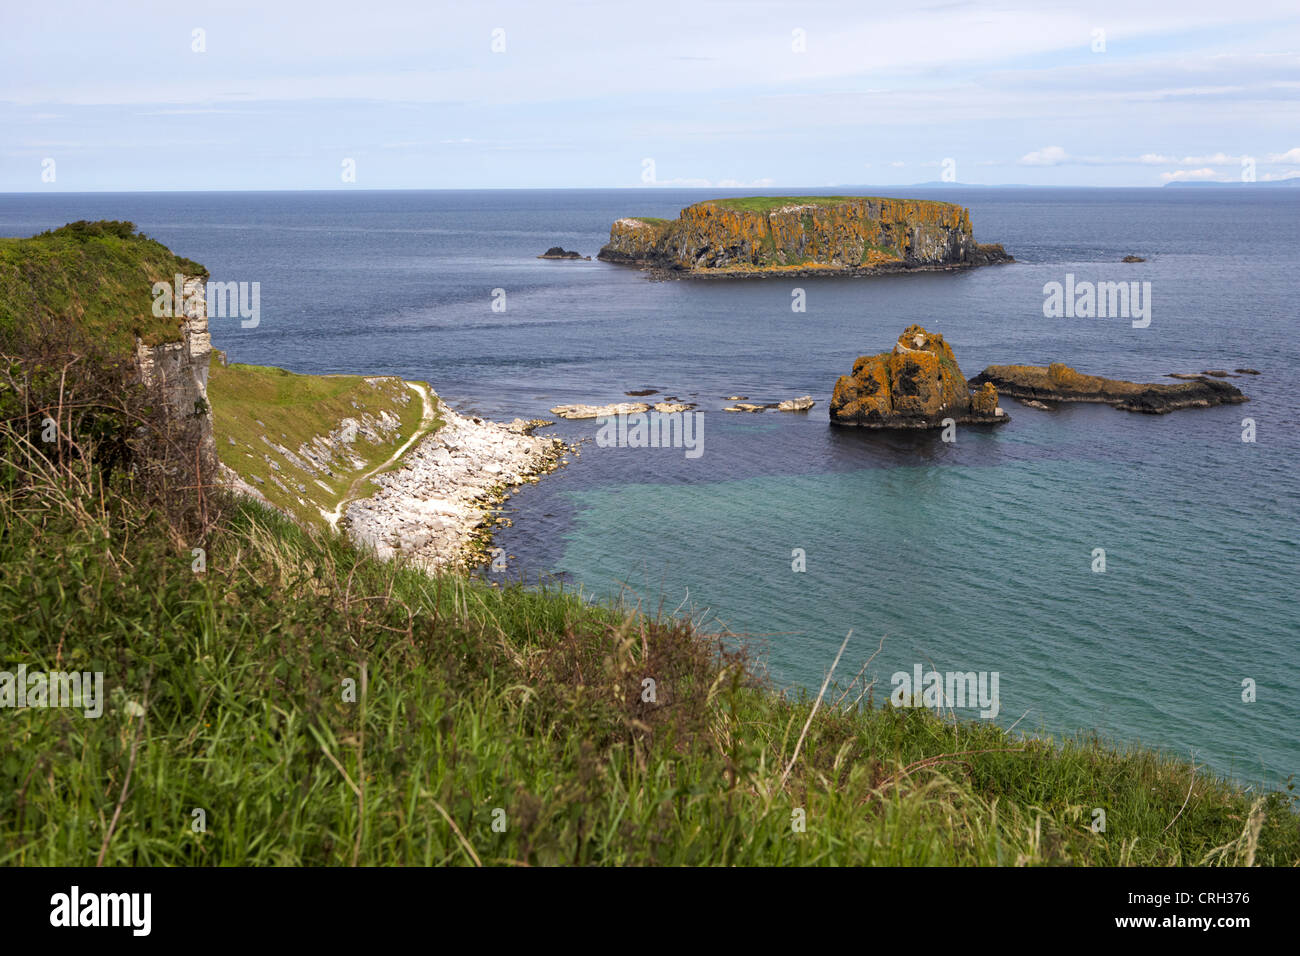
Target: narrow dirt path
426	420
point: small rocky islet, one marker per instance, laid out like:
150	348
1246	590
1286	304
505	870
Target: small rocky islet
1060	383
559	252
917	384
796	236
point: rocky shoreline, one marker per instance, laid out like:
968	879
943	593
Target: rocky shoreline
436	508
657	273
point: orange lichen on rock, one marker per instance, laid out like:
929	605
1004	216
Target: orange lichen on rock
846	233
985	399
917	385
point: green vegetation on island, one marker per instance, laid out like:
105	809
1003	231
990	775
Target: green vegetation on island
769	203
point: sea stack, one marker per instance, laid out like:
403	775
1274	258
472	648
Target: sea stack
917	385
806	235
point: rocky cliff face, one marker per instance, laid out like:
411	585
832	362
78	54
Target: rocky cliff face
850	234
1060	383
181	368
917	385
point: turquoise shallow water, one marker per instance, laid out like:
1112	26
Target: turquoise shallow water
987	568
974	556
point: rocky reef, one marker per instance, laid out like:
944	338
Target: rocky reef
559	252
917	385
1060	383
814	235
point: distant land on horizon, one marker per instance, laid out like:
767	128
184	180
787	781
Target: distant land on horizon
891	190
1292	181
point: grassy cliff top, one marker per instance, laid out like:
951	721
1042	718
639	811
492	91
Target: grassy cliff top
769	203
97	274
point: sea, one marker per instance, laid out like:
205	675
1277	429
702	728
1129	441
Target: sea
1127	576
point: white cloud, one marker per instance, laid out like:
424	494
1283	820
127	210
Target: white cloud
682	181
1185	175
1047	156
1217	159
1290	158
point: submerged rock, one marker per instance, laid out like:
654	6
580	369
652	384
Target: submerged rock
1132	259
917	385
1060	383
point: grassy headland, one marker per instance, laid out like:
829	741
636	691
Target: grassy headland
259	412
98	275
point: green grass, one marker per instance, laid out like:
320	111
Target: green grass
250	402
97	275
770	203
472	700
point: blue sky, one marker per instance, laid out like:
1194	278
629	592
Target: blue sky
607	94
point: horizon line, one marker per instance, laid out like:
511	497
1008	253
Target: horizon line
647	187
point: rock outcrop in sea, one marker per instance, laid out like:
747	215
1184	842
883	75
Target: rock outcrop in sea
854	235
1060	383
559	252
917	385
800	404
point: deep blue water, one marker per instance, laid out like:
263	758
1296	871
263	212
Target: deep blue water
974	555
